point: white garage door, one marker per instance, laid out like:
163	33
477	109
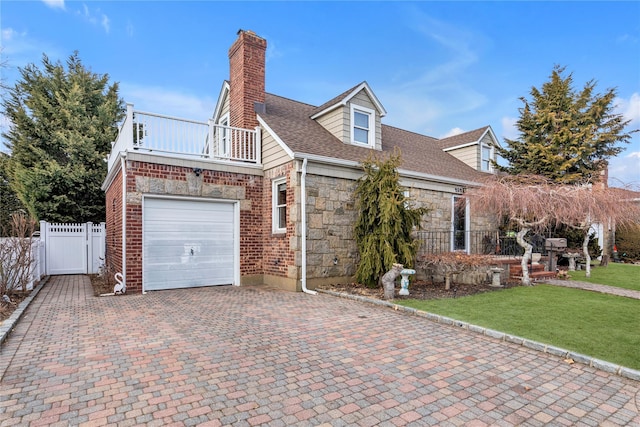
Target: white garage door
187	243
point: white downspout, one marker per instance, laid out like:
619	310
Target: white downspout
124	217
303	226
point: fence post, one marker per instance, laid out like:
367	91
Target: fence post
103	245
43	239
89	252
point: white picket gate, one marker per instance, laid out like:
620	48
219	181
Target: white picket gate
73	248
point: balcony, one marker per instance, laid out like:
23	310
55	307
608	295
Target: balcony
182	138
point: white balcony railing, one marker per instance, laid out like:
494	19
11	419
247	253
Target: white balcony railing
164	135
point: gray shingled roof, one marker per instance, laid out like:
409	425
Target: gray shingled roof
334	101
463	138
290	120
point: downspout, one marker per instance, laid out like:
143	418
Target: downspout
124	216
303	226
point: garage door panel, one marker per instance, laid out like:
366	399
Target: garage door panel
188	243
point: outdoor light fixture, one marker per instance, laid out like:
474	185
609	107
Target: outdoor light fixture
335	261
197	171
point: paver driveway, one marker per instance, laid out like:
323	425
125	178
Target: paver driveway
248	356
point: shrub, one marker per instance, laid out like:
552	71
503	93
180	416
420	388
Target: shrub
15	254
628	243
448	264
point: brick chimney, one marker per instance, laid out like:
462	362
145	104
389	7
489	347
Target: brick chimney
246	78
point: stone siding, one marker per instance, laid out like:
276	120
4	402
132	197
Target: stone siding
331	215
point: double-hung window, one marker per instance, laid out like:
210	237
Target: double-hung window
485	162
362	125
279	212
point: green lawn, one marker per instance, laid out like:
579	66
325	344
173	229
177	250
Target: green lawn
598	325
620	275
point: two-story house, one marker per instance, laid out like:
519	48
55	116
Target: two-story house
263	193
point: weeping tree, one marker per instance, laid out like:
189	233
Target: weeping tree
534	203
383	229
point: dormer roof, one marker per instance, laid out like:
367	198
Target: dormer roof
342	100
465	139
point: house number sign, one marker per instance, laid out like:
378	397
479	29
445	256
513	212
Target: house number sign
461	190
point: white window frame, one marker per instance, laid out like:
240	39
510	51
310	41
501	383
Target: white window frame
489	167
275	207
224	146
371	136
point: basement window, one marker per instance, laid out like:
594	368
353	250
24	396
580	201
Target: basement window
279	209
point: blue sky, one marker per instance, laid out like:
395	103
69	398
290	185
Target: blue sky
438	68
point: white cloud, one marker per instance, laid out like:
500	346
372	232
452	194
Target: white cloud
509	129
105	22
625	170
54	4
453	132
129	29
94	17
168	102
629	108
434	101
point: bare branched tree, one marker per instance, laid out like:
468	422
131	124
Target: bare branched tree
535	203
16	258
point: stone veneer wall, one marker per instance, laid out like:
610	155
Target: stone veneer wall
147	178
331	215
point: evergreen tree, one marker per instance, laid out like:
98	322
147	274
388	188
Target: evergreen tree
385	222
62	123
9	202
565	136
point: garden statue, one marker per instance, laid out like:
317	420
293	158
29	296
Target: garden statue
404	282
389	281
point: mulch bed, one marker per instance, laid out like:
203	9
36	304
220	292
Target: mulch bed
6	309
419	289
100	286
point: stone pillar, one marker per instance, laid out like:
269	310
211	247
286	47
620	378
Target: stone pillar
495	278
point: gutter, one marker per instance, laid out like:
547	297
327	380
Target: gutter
303	226
404	173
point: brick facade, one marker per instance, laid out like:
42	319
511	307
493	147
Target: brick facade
246	79
147	178
279	254
114	225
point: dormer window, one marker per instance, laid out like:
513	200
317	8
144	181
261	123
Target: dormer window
362	125
487	154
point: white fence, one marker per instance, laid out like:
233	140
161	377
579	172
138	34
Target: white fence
60	249
73	248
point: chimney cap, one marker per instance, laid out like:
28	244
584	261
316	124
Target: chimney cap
250	32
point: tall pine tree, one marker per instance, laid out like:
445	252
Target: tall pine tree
62	123
385	222
565	136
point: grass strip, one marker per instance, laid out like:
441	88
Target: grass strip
598	325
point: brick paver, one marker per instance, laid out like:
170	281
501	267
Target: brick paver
246	356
